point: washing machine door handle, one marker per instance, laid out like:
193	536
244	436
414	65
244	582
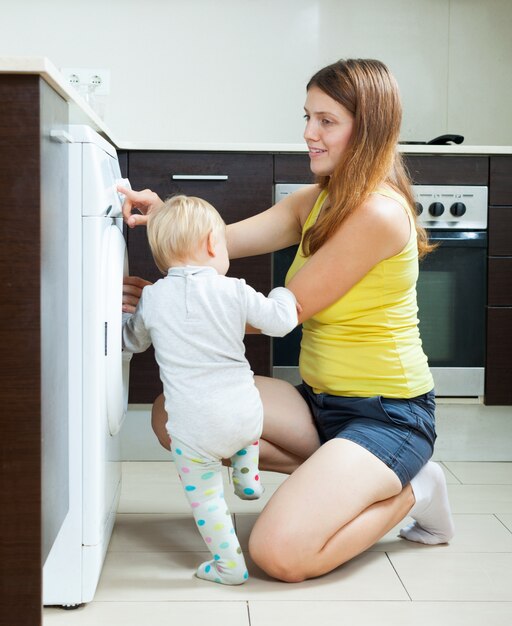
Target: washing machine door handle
117	369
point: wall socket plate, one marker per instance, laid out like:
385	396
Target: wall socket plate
87	80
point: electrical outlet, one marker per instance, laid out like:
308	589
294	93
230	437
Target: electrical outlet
86	80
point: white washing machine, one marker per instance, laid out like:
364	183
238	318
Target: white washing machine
98	373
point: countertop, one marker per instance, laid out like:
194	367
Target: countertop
82	113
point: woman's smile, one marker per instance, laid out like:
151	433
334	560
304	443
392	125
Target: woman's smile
315	152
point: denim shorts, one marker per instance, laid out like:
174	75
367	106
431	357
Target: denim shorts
400	432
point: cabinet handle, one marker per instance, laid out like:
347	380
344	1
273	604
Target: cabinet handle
199	177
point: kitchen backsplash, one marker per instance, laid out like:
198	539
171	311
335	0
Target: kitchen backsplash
234	71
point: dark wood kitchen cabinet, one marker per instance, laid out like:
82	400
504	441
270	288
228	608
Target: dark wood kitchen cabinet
447	169
498	384
33	274
238	185
292	168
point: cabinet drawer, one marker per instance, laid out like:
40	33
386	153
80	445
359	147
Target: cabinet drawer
500	231
500	180
498	371
238	185
292	168
447	170
500	281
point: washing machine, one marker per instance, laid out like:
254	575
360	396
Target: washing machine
98	371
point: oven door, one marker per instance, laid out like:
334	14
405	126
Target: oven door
451	303
285	350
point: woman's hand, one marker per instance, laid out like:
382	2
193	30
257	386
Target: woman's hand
132	291
143	201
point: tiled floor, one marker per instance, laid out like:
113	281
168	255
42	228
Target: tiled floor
148	575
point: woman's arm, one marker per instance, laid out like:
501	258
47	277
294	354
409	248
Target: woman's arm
132	292
274	229
376	231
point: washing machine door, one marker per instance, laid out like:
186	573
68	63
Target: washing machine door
117	368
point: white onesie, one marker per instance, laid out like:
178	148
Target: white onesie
195	319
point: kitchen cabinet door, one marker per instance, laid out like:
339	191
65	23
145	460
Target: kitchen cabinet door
498	388
500	192
292	168
498	369
34	481
238	186
500	231
447	169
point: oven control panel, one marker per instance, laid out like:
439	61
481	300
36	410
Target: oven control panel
451	207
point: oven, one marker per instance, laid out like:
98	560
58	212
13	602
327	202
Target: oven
451	289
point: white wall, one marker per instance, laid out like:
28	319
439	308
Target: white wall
234	70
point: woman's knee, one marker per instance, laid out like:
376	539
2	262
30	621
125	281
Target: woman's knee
159	422
277	555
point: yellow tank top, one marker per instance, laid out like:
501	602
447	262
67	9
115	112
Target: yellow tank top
368	343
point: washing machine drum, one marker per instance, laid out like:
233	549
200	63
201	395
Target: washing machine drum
117	365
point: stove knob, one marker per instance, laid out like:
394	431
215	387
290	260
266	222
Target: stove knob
458	209
436	209
419	208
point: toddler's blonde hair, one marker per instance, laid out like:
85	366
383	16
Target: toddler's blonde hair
177	227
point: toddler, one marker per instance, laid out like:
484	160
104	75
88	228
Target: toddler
195	317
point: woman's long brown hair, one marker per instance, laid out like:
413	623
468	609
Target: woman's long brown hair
367	89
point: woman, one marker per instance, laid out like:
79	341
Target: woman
360	428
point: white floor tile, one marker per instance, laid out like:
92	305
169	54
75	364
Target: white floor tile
450	477
156	533
442	576
150	614
506	520
169	576
380	613
157	497
154	488
478	499
155	549
481	473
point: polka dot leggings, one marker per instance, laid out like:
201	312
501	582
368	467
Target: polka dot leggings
202	481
